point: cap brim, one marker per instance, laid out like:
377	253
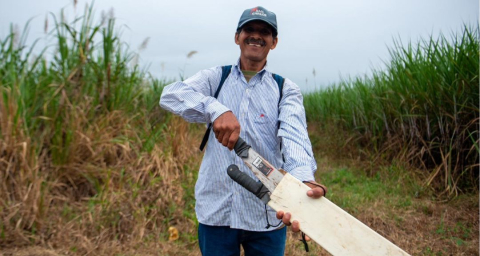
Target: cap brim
247	21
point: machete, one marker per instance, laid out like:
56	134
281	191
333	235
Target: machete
324	222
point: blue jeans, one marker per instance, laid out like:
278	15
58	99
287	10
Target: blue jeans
226	241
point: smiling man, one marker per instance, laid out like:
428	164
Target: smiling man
268	113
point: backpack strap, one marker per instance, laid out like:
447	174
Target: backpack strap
225	72
280	81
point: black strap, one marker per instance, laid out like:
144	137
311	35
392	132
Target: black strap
225	73
268	223
280	81
304	241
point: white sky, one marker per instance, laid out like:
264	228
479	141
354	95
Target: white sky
339	38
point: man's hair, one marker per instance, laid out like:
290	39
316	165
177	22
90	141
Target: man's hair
274	33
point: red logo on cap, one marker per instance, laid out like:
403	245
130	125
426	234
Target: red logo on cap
253	10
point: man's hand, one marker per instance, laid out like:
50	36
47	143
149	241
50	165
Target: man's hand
227	129
314	192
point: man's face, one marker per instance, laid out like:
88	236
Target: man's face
255	41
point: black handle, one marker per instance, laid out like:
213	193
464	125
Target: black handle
257	188
241	148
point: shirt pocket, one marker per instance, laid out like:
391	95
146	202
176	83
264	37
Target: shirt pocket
264	117
266	127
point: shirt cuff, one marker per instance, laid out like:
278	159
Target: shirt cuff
216	109
303	173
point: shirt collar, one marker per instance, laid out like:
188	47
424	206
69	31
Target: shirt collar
262	72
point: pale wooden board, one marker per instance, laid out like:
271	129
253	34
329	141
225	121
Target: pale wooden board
327	224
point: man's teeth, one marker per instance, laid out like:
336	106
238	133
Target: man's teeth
257	45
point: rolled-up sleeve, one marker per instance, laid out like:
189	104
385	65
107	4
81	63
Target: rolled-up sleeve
192	100
296	145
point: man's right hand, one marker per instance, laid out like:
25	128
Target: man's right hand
227	129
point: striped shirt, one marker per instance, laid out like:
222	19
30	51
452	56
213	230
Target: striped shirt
219	200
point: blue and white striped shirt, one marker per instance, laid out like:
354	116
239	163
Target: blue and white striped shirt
219	200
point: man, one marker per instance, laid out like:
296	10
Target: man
248	106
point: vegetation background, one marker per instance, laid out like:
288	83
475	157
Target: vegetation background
89	163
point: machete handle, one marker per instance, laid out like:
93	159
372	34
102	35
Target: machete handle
256	188
241	148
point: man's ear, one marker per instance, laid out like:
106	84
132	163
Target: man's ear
275	41
236	39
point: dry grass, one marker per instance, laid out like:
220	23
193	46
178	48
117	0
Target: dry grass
88	162
109	195
125	206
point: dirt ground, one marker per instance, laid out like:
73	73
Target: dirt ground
425	228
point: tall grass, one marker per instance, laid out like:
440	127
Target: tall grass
87	158
89	164
423	109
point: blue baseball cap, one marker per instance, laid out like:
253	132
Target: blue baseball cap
259	13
